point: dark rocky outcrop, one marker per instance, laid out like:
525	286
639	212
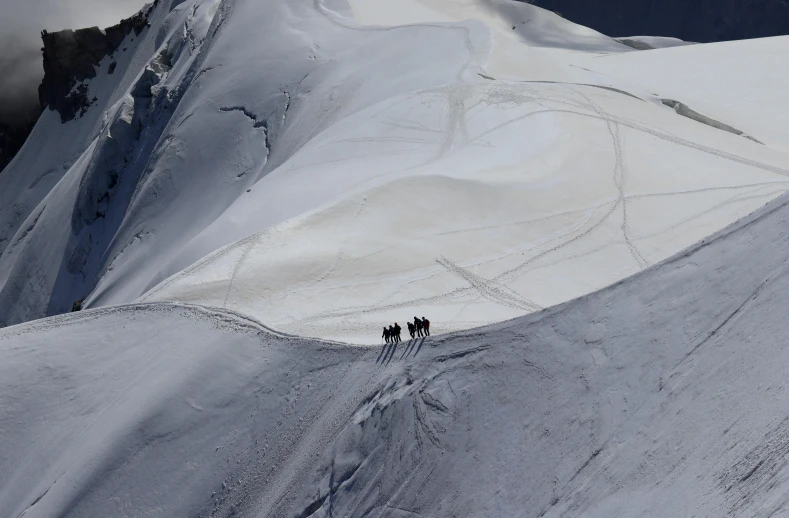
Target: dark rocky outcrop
72	56
13	137
689	20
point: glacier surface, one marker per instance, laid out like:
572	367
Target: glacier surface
597	234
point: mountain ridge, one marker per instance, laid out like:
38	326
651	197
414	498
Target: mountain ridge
701	21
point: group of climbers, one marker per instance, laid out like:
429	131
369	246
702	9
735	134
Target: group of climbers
419	327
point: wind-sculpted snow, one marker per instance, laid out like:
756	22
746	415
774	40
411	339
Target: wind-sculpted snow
325	167
660	396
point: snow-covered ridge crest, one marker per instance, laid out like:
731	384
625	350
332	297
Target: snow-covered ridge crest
261	172
71	57
349	164
137	90
168	410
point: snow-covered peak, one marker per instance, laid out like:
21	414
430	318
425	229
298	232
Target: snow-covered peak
327	167
597	235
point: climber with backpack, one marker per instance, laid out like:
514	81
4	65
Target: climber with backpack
426	326
418	326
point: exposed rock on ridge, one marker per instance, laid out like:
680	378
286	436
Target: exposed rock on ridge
72	56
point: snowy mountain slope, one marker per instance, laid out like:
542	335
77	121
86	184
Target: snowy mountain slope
360	165
145	191
740	83
65	192
495	256
461	243
263	170
660	396
53	148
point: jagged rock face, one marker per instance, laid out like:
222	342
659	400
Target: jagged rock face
698	20
72	56
12	138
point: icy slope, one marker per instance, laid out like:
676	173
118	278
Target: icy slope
53	148
324	167
63	198
662	396
741	83
482	201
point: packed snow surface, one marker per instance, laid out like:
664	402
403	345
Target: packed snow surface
662	396
741	83
327	167
259	185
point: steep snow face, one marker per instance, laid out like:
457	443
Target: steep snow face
327	167
662	396
64	197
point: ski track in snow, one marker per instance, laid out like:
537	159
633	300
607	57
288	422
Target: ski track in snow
464	100
418	414
613	123
387	185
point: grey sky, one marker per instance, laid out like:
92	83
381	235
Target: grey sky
21	22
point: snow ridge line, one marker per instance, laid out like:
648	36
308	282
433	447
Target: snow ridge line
508	274
89	314
771	208
353	24
214	313
742	223
532	318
